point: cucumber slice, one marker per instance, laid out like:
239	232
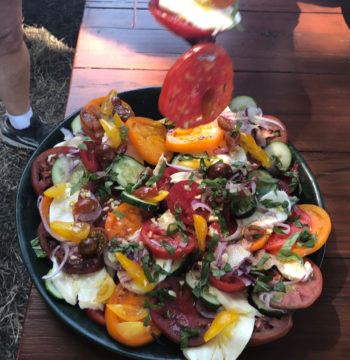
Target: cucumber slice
76	125
240	103
77	174
192	278
128	170
51	288
264	181
60	170
133	200
280	154
265	309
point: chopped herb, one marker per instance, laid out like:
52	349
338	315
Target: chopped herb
190	179
261	284
212	243
87	138
277	161
279	287
277	230
82	146
151	269
286	249
39	252
123	132
257	236
306	239
222	221
148	305
172	229
153	179
161	294
124	247
236	129
118	214
204	276
169	248
147	320
187	333
273	204
261	262
217	272
227	268
202	166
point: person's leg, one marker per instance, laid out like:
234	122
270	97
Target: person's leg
19	127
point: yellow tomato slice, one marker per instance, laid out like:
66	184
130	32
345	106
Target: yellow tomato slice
106	290
112	132
148	138
56	191
72	231
135	271
194	140
127	312
221	321
201	229
320	225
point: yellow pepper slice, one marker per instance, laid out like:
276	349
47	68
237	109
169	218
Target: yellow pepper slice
249	145
112	132
117	120
127	312
107	105
195	163
160	197
201	229
135	271
56	191
72	231
221	321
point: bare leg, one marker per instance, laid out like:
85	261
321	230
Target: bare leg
14	80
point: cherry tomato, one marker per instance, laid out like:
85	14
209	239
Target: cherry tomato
166	246
97	316
180	197
227	283
89	157
127	224
41	169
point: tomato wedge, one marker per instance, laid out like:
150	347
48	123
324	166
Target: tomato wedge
228	283
129	221
310	217
148	138
194	140
198	87
165	246
121	312
97	316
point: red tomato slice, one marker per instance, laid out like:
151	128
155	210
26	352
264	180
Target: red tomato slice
276	241
97	316
164	182
176	24
198	87
227	283
89	157
180	197
166	246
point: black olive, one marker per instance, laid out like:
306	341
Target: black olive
219	170
88	247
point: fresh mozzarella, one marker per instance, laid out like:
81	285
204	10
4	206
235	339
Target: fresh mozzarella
61	209
73	142
238	154
278	197
294	270
82	289
236	254
202	17
265	220
165	220
228	345
180	176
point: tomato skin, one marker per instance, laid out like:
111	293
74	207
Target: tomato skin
180	196
41	169
154	243
97	316
227	283
177	25
89	157
164	182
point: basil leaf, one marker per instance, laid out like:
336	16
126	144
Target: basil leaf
277	230
169	248
118	214
153	179
39	252
187	333
147	320
261	262
218	272
286	249
279	287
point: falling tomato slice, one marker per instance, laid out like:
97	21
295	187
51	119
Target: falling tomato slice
198	87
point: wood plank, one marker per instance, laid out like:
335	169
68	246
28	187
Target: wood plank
321	6
260	49
321	332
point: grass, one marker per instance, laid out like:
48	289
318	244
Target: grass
51	28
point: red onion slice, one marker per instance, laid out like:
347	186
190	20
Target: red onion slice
67	133
235	236
53	259
284	227
178	167
46	223
195	204
108	262
267	123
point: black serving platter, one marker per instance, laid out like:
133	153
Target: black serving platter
144	102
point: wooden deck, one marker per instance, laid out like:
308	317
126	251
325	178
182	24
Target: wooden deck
294	59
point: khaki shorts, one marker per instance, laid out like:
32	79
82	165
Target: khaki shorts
11	34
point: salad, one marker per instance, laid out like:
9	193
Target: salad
192	231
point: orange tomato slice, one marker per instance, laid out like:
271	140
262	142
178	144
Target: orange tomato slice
148	138
194	140
126	225
320	225
133	332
